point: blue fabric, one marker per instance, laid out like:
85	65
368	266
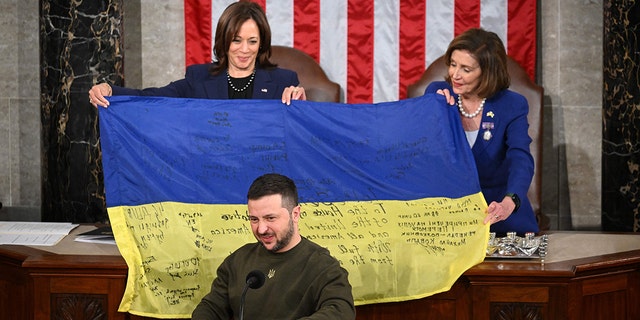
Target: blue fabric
504	161
209	151
198	83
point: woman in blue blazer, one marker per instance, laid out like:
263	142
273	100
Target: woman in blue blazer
242	69
495	122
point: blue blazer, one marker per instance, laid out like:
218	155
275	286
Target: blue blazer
198	83
503	159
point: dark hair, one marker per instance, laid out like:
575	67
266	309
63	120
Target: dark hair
490	53
273	183
228	27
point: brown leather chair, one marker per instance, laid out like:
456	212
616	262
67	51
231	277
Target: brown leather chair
521	83
317	85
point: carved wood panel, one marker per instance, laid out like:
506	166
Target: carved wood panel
66	306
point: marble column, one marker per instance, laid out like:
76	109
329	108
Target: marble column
80	44
621	117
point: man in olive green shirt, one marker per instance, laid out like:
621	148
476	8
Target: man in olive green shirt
303	281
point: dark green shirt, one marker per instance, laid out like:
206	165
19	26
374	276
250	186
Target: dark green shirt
305	282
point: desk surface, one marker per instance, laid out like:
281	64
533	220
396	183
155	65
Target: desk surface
580	265
71	247
570	254
563	245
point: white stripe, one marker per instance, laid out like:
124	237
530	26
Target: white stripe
439	25
280	17
333	41
439	28
386	21
494	17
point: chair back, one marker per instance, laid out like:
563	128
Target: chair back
317	85
522	84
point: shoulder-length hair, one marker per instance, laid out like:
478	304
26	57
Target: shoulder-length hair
228	27
490	53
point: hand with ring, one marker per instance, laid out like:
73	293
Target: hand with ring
293	93
498	211
98	93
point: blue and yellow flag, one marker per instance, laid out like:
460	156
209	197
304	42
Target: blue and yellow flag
390	189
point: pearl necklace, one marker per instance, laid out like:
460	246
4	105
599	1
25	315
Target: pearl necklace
470	115
253	75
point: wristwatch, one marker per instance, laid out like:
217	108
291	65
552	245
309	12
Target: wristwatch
515	199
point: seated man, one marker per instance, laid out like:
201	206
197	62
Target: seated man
303	280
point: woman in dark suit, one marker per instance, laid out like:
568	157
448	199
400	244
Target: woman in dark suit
242	69
495	122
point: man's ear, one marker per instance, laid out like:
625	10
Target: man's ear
295	213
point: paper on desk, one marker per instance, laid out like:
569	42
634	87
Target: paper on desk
102	235
34	233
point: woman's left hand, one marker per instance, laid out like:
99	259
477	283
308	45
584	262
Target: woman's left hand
293	93
447	95
498	211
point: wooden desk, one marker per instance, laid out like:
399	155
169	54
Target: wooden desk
585	276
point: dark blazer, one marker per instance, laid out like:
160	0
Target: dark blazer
503	159
198	83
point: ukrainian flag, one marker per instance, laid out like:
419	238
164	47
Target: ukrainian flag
390	189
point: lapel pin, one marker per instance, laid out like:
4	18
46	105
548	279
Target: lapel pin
487	126
263	90
490	114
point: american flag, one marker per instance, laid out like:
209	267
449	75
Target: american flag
374	48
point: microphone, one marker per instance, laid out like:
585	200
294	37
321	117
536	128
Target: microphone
255	280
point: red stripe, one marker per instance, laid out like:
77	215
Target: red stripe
197	31
360	51
262	3
521	34
466	15
306	30
412	43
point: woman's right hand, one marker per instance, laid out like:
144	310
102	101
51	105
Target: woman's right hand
447	95
98	93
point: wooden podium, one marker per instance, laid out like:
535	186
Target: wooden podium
585	276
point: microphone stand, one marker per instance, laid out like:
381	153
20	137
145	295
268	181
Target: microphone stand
255	280
242	298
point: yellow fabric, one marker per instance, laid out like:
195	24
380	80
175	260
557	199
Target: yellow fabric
393	250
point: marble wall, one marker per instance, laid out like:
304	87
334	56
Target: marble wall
80	44
570	70
621	132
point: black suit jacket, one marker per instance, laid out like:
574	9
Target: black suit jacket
198	83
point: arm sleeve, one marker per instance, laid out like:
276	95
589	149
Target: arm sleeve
176	89
519	159
215	305
436	85
335	300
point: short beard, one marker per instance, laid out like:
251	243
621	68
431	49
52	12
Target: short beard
285	240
